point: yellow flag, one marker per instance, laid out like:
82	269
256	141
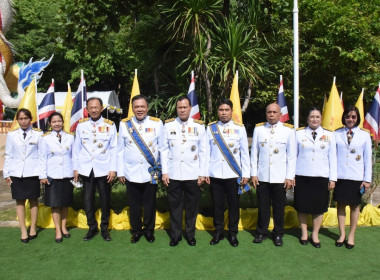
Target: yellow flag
29	102
135	91
359	104
66	109
234	97
332	114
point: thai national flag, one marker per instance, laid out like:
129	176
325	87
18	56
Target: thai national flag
46	107
282	102
194	113
79	111
372	119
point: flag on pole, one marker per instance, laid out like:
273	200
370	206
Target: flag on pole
359	104
332	114
66	109
28	101
372	119
135	91
46	107
234	97
194	113
282	102
78	110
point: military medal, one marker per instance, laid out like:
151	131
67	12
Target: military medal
193	148
140	127
322	146
195	157
150	143
224	130
358	157
353	151
230	145
130	141
130	130
155	177
235	151
275	151
100	145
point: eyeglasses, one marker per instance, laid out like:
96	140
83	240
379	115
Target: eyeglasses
352	117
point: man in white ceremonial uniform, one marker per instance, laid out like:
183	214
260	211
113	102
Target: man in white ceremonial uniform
273	163
184	169
94	160
138	166
228	160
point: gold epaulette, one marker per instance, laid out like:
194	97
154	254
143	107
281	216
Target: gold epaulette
300	128
108	121
212	122
154	119
327	129
338	128
366	130
36	129
239	124
169	120
14	129
260	124
198	121
46	134
83	120
288	125
126	119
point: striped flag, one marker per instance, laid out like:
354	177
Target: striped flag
282	102
372	119
78	110
194	113
46	107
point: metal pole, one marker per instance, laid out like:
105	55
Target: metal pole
296	64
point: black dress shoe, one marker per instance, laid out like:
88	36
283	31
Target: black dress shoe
31	237
349	246
259	238
233	240
191	241
303	242
173	242
217	238
315	244
339	244
59	240
90	234
278	240
24	240
150	237
106	235
136	237
66	235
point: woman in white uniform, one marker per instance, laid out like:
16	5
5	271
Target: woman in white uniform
56	172
21	170
354	153
316	174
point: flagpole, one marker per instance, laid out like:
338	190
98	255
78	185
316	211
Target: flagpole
82	97
296	63
38	115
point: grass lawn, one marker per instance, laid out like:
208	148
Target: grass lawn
42	258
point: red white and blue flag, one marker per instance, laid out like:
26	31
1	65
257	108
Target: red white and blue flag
79	111
194	113
282	102
46	107
372	119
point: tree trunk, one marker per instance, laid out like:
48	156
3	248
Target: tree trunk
205	72
247	97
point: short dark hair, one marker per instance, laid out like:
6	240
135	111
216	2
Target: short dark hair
226	102
26	113
140	96
55	114
314	109
350	109
95	98
183	97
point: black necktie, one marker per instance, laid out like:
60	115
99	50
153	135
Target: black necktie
59	137
314	135
24	134
349	136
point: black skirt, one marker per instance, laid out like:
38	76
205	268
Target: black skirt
25	188
348	192
59	193
311	195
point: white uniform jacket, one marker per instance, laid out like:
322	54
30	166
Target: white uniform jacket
235	137
354	160
273	152
95	147
183	149
21	155
316	158
131	162
56	158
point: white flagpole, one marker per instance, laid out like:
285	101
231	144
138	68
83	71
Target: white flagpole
38	115
82	79
296	63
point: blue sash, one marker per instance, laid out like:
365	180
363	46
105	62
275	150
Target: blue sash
155	169
226	152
